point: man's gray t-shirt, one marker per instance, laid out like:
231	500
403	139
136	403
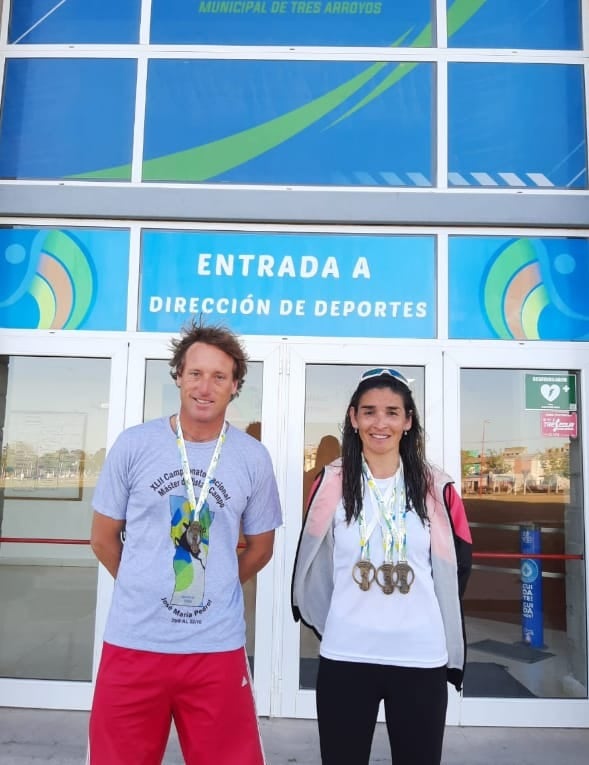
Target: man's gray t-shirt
171	596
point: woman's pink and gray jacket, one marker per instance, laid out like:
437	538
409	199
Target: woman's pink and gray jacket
451	545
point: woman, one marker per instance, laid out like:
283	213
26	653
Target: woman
381	567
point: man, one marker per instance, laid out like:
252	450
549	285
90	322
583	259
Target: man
175	635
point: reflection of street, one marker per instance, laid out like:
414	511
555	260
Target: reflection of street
27	472
497	484
514	470
52	487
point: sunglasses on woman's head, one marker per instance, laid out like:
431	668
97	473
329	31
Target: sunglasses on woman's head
380	371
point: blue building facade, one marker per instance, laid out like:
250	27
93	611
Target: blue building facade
343	183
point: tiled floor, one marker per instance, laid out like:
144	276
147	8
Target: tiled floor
550	677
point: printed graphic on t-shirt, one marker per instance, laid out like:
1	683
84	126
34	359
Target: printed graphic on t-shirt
191	543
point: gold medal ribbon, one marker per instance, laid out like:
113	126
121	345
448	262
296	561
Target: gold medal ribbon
390	514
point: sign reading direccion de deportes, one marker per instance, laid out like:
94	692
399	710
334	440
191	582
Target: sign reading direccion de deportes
290	284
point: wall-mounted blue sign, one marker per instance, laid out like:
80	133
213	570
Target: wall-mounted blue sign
63	278
289	284
519	288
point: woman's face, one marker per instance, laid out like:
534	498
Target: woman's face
381	421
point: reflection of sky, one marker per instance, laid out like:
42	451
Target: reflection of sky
329	389
55	384
161	394
496	397
493	397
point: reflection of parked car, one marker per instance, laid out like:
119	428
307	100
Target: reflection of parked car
549	484
557	482
537	487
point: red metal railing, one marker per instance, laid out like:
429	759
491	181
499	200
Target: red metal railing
43	541
538	556
506	555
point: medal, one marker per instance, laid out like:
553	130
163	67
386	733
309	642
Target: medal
363	574
193	533
390	515
386	577
405	576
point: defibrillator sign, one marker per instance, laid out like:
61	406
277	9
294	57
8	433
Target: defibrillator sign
556	392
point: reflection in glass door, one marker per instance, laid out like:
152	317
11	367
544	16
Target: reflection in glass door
54	413
522	487
245	412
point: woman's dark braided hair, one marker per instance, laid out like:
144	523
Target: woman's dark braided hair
416	470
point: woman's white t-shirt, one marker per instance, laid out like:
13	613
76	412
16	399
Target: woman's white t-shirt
370	626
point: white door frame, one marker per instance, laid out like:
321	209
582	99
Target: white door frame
277	636
292	701
518	355
61	694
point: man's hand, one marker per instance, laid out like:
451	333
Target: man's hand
258	551
106	543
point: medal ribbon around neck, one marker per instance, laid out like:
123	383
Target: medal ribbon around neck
196	507
391	516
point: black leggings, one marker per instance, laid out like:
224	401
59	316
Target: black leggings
348	697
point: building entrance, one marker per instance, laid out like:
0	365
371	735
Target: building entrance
507	426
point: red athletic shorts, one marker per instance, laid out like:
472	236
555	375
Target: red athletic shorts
209	696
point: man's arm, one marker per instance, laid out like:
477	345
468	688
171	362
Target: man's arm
106	543
258	551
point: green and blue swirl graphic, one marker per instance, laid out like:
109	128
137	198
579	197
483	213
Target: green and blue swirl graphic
63	279
519	289
58	278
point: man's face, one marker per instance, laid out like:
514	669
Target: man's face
206	387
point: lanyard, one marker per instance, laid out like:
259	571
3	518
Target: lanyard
390	514
195	507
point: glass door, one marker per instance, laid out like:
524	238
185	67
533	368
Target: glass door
152	393
322	379
515	433
61	403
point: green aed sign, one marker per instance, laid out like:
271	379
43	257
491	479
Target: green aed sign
546	391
